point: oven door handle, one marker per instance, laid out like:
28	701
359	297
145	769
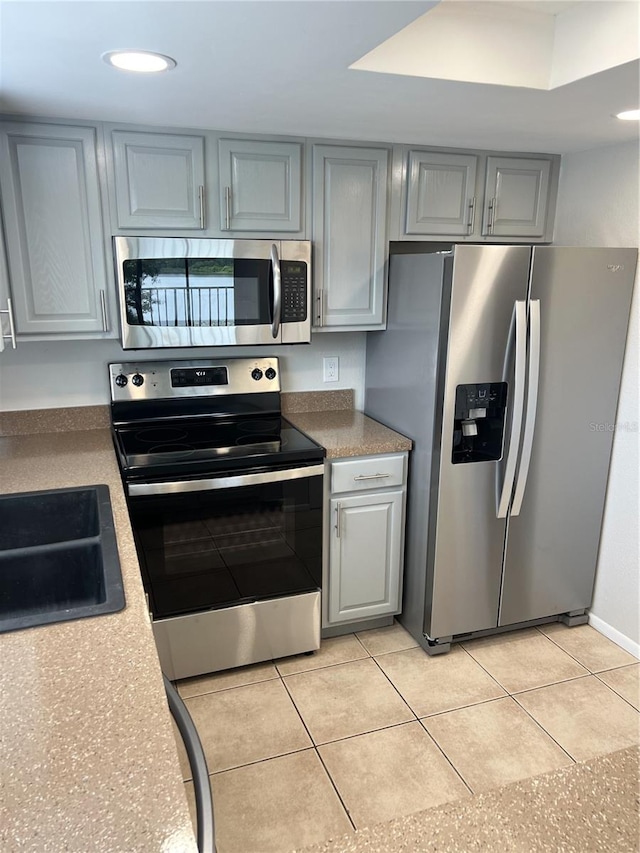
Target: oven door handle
206	485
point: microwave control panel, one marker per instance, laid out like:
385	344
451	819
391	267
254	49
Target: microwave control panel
294	291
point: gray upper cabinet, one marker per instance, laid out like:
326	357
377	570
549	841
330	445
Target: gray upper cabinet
53	224
516	197
260	185
158	180
441	195
350	236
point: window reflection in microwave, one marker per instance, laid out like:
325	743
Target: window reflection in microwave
191	292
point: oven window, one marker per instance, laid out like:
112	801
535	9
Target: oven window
197	292
204	550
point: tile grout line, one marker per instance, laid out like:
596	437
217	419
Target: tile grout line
335	788
486	671
527	689
557	645
315	747
449	761
631	705
542	729
396	690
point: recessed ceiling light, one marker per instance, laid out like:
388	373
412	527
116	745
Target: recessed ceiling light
143	61
629	115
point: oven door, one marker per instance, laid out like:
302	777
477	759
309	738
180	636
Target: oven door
216	543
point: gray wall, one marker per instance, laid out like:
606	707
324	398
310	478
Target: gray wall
598	205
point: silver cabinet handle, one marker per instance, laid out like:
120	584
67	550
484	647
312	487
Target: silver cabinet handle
198	763
103	309
371	476
201	200
12	329
491	215
210	484
227	208
277	291
532	405
519	325
338	512
472	215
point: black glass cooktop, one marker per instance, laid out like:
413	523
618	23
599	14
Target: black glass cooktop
207	445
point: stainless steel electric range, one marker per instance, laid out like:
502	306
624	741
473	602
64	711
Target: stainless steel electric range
225	499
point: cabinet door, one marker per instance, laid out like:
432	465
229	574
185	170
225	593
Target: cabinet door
365	556
159	180
260	185
349	233
516	197
53	223
440	193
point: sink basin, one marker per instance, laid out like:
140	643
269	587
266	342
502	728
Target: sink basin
58	557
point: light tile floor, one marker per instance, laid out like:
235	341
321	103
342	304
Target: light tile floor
371	728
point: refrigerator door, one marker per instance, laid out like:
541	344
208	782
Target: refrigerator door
402	382
466	563
552	544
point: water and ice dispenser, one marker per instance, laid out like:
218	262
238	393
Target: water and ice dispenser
478	427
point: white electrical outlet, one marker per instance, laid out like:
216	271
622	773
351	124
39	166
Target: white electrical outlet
331	368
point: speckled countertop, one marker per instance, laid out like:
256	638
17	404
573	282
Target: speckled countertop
88	760
590	807
349	433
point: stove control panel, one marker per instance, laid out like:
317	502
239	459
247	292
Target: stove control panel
156	380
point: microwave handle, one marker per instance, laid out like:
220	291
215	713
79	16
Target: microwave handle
277	291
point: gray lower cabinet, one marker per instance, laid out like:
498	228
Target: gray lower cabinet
350	236
52	214
441	193
260	185
366	538
516	197
158	180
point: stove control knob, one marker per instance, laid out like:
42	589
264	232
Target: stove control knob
256	373
270	373
137	379
121	380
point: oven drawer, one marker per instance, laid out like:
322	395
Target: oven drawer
236	636
372	472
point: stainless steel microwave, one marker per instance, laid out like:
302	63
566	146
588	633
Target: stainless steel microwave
178	292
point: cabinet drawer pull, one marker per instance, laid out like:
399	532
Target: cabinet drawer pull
338	511
371	476
12	329
201	200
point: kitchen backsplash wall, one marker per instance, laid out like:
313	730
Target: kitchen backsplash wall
44	375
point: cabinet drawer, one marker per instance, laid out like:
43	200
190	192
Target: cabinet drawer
373	472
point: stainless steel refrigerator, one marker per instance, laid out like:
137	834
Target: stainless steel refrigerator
503	364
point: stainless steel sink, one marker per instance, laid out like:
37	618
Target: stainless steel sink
58	557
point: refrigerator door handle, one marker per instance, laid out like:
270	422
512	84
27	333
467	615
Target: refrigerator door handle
532	404
519	324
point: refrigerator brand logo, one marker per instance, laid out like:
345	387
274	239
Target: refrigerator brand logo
615	267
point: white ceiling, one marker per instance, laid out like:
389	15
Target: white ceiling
282	67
